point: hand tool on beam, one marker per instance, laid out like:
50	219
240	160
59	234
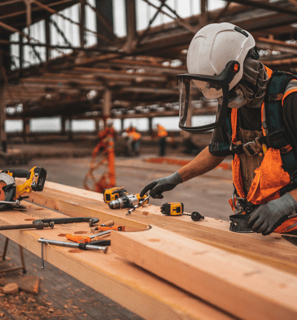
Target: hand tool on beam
42	223
82	246
117	228
107	224
85	239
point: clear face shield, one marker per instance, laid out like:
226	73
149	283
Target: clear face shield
204	95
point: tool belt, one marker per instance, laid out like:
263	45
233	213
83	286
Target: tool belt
242	206
274	140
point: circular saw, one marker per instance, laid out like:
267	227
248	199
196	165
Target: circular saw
11	194
7	190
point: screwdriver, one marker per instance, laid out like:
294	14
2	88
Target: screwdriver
85	239
107	224
117	228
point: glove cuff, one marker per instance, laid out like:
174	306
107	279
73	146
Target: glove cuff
175	178
291	200
286	204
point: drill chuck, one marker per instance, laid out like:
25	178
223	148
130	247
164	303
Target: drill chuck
128	201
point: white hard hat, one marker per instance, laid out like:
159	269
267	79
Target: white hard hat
212	48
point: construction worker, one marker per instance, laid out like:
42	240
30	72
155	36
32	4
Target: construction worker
133	142
256	123
162	134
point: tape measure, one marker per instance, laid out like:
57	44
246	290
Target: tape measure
172	208
177	209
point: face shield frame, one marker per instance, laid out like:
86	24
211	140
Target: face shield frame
223	80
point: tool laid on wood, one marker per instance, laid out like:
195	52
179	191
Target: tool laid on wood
177	209
117	228
239	223
11	194
102	242
107	223
112	194
42	223
126	201
144	200
82	246
85	239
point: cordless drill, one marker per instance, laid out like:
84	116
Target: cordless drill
126	201
112	194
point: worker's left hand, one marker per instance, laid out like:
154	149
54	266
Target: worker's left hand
267	217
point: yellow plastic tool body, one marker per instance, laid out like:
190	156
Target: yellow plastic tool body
26	186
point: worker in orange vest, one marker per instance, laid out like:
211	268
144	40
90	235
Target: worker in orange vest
133	141
256	123
162	134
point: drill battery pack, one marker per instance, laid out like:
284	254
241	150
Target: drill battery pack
112	194
172	208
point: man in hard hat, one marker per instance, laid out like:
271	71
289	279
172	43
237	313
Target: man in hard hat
256	123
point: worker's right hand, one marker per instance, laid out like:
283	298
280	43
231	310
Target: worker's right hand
157	187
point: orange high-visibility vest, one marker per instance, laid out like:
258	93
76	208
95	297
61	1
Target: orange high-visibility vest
135	135
161	131
269	178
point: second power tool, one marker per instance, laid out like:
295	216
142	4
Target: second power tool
177	209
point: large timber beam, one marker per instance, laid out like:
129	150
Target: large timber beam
271	250
131	25
220	278
104	18
267	6
3	136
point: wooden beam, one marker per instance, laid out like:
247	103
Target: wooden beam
245	288
271	44
3	135
104	15
116	278
7	3
107	97
52	11
131	25
267	6
82	23
271	250
96	73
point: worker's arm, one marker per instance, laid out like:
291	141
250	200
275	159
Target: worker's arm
202	163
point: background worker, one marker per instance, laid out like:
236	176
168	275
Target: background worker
162	134
133	141
256	122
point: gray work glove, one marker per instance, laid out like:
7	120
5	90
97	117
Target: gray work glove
157	187
267	217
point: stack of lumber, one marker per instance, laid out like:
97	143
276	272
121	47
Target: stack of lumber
167	267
